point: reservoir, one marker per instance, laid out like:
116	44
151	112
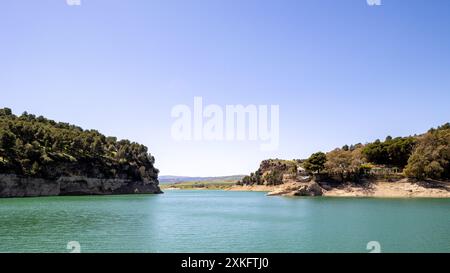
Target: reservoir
223	221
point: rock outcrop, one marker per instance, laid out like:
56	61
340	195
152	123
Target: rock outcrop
18	186
298	189
310	189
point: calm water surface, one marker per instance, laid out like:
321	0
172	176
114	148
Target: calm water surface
220	221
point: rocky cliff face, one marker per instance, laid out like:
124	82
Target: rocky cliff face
272	172
18	186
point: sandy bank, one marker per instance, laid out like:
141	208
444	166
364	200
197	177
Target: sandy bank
400	189
262	188
394	189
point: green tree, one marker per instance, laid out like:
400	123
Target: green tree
274	177
393	151
431	157
316	162
347	165
35	169
5	112
339	163
7	140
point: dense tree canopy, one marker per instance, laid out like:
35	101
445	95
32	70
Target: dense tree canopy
431	157
347	164
39	147
393	152
316	162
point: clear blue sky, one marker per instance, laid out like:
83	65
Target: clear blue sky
342	72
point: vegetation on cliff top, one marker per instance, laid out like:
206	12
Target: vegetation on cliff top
39	147
425	156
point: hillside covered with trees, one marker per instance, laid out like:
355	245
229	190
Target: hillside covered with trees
419	157
38	147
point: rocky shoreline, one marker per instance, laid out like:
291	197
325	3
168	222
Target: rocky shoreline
382	189
12	185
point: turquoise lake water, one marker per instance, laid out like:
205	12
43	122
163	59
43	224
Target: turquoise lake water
221	221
